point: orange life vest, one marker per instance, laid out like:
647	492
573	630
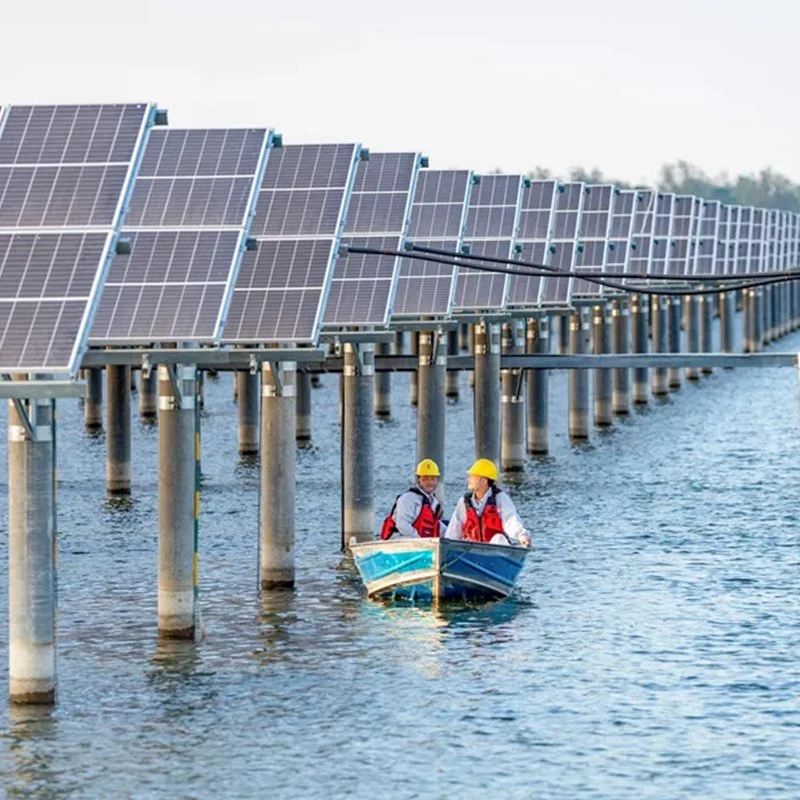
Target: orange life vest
426	524
482	528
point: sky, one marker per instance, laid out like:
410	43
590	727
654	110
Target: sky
623	85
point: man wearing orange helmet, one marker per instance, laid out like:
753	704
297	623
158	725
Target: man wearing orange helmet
486	513
417	512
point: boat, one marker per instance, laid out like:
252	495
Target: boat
433	569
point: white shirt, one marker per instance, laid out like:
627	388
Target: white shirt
512	524
409	504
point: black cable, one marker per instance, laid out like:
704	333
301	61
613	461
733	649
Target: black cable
645	276
549	272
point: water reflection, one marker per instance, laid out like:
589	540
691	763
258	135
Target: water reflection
29	770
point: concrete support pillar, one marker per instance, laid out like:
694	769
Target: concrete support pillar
512	406
451	379
706	314
538	343
276	507
641	392
463	337
674	339
603	389
692	333
758	317
727	312
620	378
118	427
31	555
660	328
148	395
748	304
383	385
303	407
431	417
248	390
93	403
358	462
487	391
578	381
177	501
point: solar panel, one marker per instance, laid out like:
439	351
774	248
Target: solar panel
642	231
663	242
438	219
493	220
564	244
758	233
743	240
191	207
363	286
593	235
705	258
66	173
536	221
282	287
685	230
619	236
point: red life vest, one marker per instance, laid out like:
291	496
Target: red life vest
482	528
426	524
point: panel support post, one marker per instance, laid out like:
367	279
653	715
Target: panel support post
148	394
706	313
247	398
487	391
621	378
177	501
512	446
660	329
278	458
641	391
383	385
93	403
358	462
578	382
675	320
31	555
538	343
451	379
303	408
431	416
603	390
118	426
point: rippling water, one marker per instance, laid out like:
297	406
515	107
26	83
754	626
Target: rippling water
652	649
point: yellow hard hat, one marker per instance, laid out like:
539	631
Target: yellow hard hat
484	468
427	468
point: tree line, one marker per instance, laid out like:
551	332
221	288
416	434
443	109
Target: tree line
767	188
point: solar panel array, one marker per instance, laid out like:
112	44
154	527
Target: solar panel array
66	172
191	208
282	287
438	220
363	286
536	220
493	220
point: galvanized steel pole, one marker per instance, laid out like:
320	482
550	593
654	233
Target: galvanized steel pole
277	494
31	555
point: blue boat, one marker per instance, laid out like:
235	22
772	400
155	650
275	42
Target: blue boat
427	570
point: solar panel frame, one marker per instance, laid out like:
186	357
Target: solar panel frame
28	140
758	235
208	251
641	242
493	224
663	228
291	273
621	230
437	282
347	291
743	240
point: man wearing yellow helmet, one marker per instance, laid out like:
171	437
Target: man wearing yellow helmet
486	513
417	512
